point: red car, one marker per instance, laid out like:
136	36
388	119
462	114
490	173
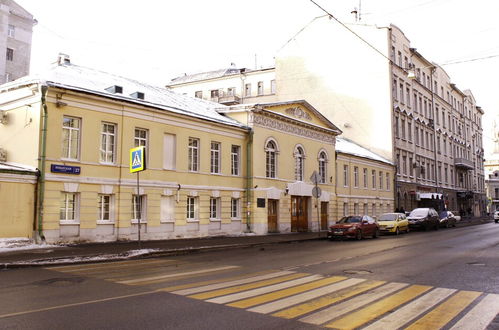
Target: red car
354	226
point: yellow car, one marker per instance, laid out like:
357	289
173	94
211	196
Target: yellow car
393	223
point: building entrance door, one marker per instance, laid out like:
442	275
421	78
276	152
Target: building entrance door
299	213
272	215
324	207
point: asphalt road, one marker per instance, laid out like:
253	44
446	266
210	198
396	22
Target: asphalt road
216	290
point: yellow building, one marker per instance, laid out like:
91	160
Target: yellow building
211	170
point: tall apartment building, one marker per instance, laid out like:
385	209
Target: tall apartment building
385	96
16	29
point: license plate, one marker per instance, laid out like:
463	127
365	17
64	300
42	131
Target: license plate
338	233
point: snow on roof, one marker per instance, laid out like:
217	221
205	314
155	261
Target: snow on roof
79	78
349	147
187	78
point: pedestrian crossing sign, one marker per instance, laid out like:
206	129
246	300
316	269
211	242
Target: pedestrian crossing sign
137	159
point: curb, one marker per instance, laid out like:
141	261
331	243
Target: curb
153	254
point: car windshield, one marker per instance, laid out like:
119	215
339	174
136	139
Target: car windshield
388	217
351	219
419	213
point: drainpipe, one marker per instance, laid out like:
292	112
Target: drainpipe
249	179
41	162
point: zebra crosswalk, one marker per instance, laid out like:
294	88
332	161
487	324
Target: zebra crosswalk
337	302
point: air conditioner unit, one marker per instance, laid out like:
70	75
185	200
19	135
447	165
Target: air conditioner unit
3	155
3	117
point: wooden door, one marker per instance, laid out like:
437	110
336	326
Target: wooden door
299	213
324	209
272	215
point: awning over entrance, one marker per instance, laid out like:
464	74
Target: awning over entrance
429	195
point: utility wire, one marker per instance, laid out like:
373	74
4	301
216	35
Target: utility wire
471	60
346	27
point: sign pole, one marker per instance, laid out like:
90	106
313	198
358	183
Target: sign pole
139	209
138	164
318	210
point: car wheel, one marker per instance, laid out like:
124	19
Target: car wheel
397	231
376	233
426	227
437	226
496	221
358	235
407	230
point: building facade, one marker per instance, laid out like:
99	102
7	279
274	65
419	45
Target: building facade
211	169
392	101
16	29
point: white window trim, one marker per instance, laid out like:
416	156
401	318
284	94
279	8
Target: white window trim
196	209
75	221
143	211
238	211
115	134
216	157
218	210
78	147
111	220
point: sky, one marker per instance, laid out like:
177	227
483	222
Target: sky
154	41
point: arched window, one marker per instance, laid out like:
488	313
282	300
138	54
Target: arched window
322	166
299	163
270	159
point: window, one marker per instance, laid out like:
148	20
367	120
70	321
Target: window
140	139
345	209
70	137
365	208
374	210
68	207
11	31
167	209
402	123
388	180
10	54
108	142
247	90
198	94
260	88
404	165
270	159
139	207
411	167
214	94
8	77
380	180
356	177
299	163
272	87
356	208
214	208
169	152
409	131
215	157
235	160
396	127
104	207
192	208
231	91
322	167
193	155
235	208
365	178
401	92
373	174
345	175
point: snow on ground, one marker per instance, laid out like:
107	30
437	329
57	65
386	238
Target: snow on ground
21	243
88	259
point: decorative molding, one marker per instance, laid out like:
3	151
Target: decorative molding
71	187
279	125
298	113
106	189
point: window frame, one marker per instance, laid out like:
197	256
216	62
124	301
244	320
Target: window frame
105	151
64	208
100	217
192	209
142	199
271	152
215	157
235	209
235	160
323	161
299	156
69	140
215	208
193	155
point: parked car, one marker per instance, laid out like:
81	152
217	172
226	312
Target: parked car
458	217
393	223
496	216
354	226
447	219
424	218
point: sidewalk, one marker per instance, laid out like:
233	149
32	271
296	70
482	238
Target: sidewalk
100	252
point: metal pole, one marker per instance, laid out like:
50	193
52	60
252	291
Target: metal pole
139	207
318	211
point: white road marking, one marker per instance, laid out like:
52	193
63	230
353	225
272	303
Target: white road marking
286	302
259	291
481	315
349	305
162	277
187	292
411	311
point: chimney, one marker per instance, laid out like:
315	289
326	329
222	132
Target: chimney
63	59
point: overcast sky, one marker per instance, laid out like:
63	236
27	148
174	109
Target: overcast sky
155	41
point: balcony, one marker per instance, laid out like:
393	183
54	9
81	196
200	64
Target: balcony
229	100
463	163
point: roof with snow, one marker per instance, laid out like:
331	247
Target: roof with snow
12	167
346	146
87	80
211	75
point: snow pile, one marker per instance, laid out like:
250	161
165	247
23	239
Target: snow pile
21	243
